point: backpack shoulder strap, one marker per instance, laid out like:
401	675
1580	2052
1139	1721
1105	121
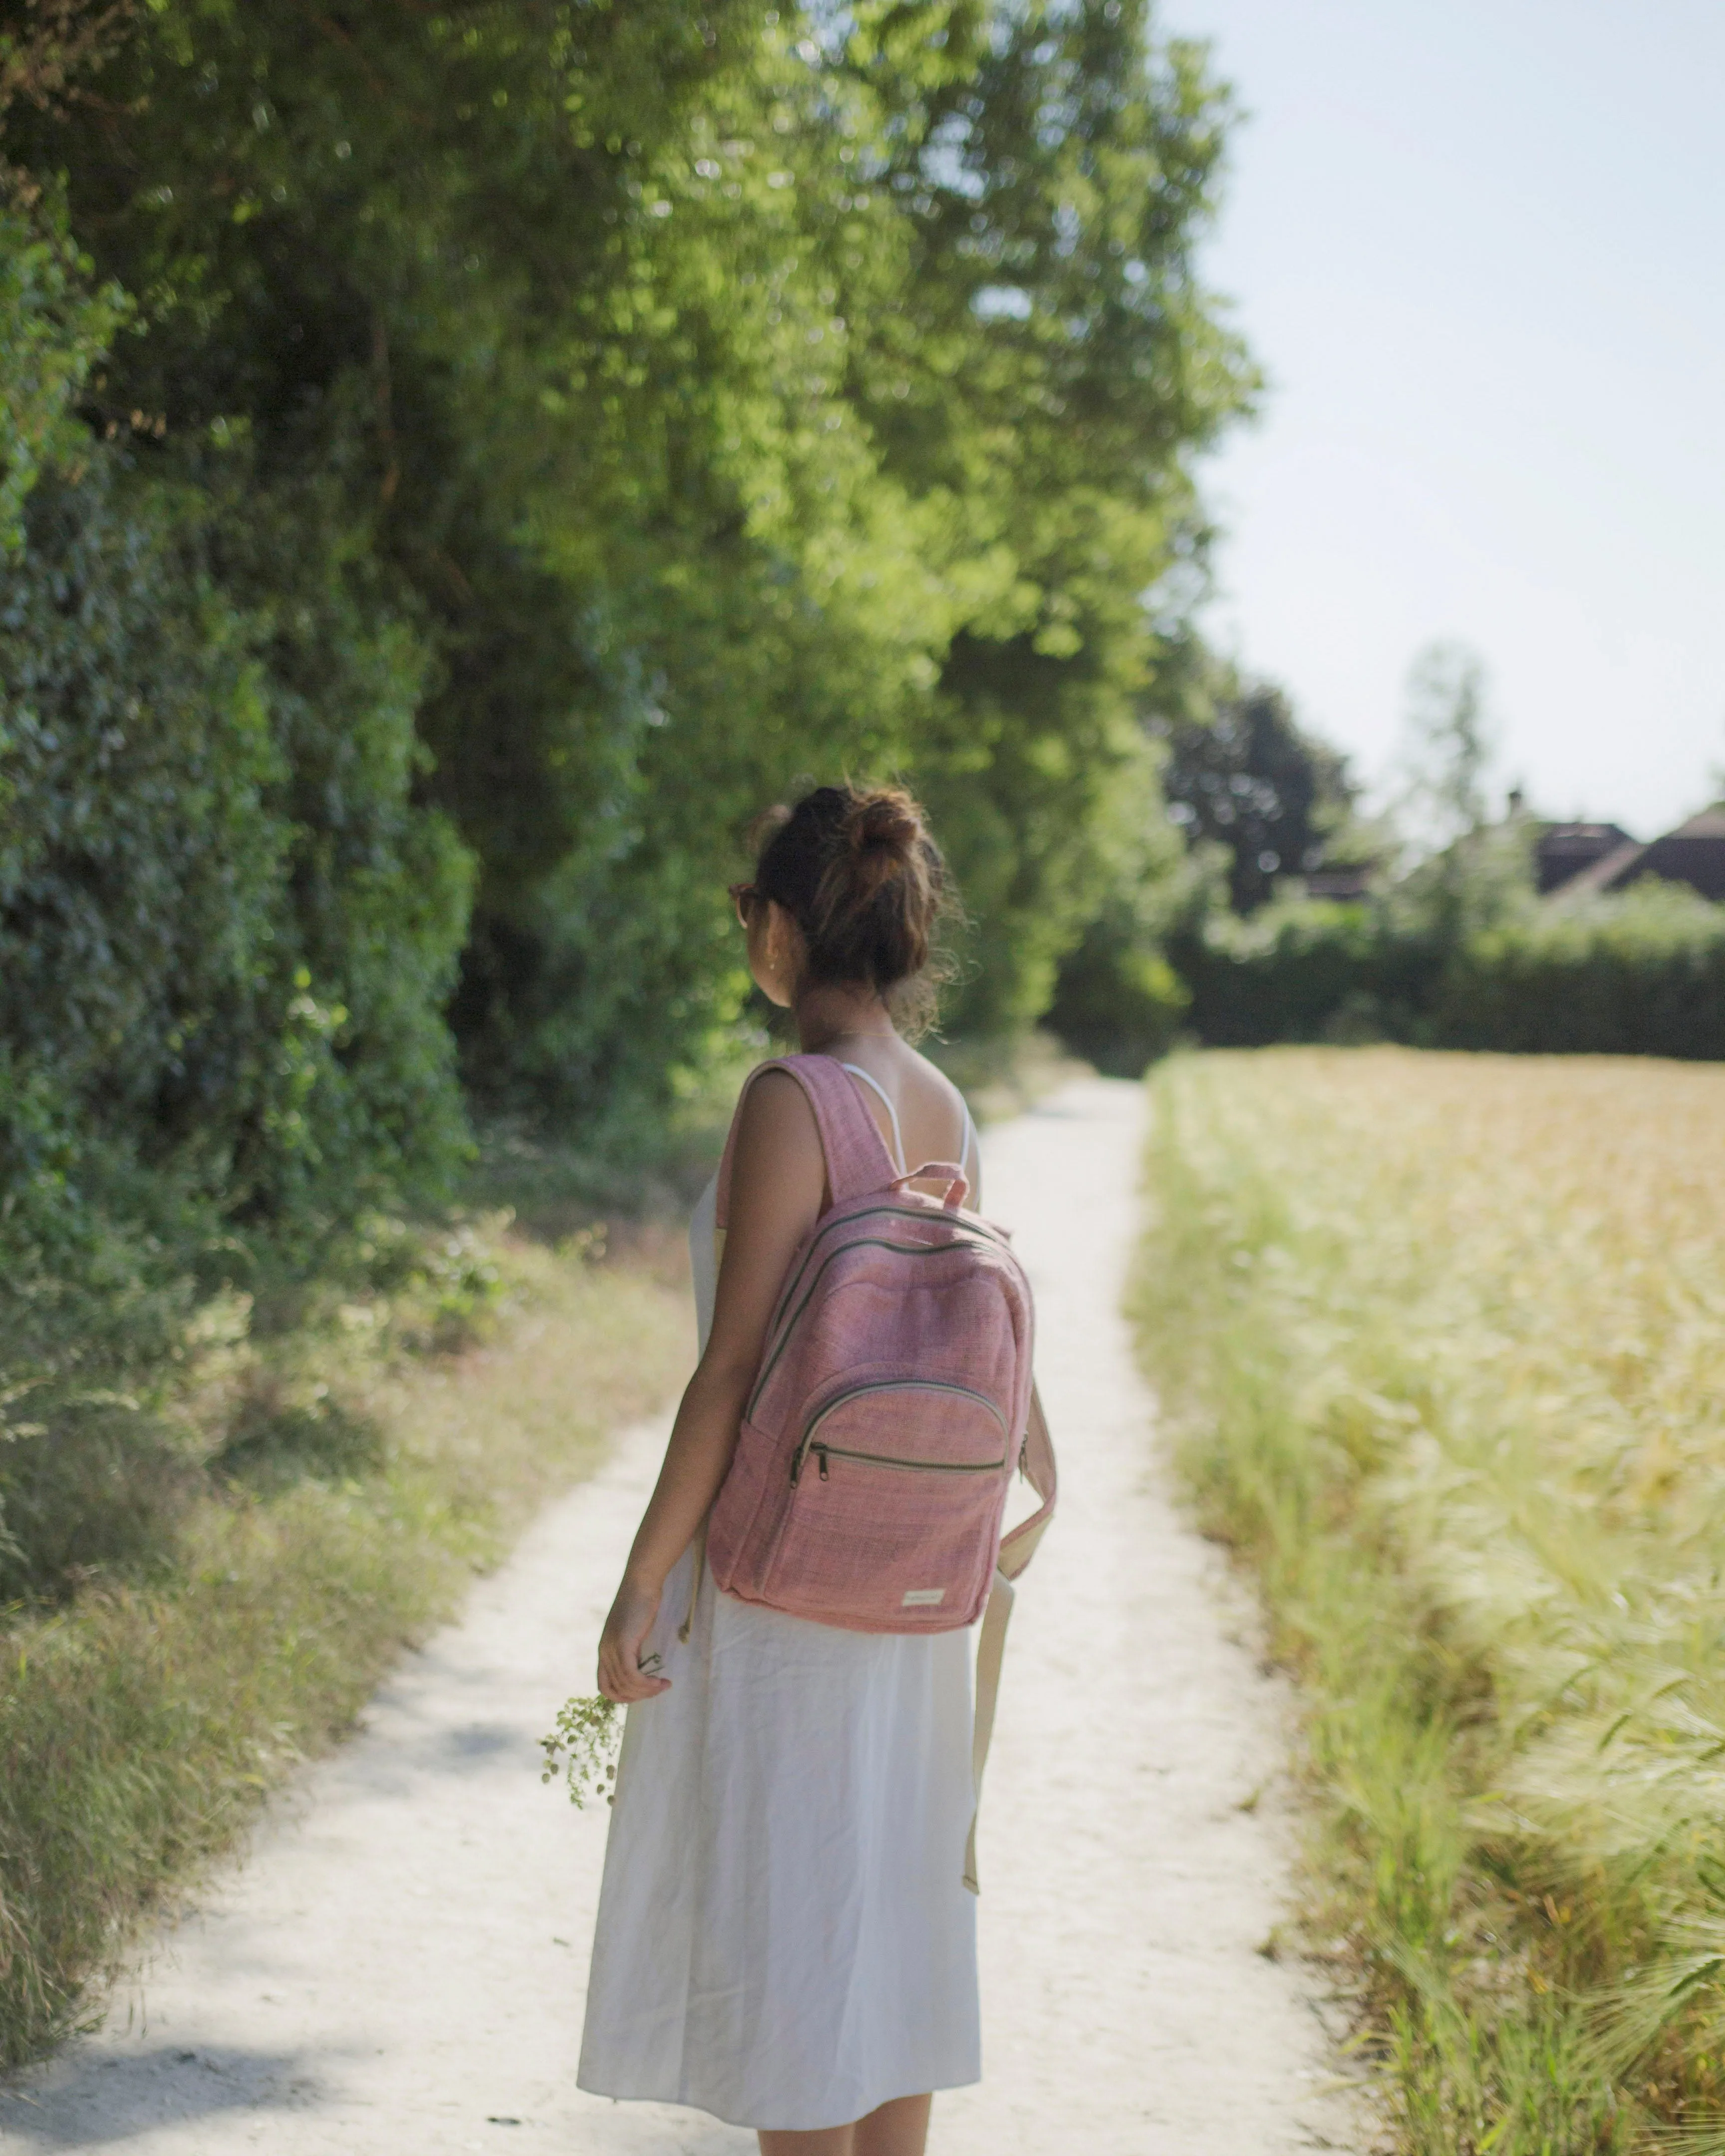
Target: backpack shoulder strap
856	1156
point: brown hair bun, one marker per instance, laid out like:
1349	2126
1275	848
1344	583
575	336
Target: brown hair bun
857	872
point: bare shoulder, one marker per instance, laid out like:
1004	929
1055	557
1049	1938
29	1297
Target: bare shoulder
777	1172
776	1134
776	1107
937	1122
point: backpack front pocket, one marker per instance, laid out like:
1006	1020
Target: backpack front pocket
896	1491
925	1425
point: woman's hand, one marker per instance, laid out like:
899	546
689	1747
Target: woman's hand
621	1677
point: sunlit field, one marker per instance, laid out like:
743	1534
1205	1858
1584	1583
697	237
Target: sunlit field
1441	1342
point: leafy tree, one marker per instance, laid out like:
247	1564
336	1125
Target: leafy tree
1449	743
1242	774
733	396
457	461
1043	384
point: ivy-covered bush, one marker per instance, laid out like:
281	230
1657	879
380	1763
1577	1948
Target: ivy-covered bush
227	927
226	933
55	323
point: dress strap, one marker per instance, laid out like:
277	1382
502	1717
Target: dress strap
856	1071
967	1144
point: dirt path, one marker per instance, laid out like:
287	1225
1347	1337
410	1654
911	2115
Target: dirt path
399	1969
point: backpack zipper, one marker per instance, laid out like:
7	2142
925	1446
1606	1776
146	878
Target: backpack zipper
887	1459
873	1213
862	1243
823	1453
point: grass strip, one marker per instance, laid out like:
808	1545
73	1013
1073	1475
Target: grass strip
353	1482
1439	1340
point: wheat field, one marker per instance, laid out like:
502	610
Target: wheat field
1441	1340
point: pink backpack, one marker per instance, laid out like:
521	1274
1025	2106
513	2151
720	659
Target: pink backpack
893	1401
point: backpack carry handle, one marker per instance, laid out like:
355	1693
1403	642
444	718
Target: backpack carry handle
948	1171
1016	1551
1037	1460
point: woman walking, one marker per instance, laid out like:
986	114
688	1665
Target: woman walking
783	1938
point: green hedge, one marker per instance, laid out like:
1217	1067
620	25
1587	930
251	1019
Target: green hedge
1642	973
1285	974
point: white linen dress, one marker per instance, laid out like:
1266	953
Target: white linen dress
783	1937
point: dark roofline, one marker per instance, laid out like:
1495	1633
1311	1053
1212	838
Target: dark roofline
1604	873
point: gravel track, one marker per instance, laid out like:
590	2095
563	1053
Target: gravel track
399	1967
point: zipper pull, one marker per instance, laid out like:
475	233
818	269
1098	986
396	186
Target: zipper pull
821	1454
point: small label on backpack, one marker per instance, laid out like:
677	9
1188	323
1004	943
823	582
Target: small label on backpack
922	1597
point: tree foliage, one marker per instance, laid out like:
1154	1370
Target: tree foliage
738	394
1242	774
458	462
1450	742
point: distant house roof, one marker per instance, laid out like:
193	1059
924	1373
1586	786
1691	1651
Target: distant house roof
1562	851
1603	873
1694	853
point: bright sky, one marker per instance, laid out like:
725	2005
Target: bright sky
1479	250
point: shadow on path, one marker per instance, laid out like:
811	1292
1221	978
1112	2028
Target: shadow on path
104	2099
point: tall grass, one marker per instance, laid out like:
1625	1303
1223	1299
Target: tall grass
345	1478
1442	1342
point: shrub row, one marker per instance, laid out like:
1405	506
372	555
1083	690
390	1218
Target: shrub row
1639	974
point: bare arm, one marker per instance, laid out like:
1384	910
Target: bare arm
777	1184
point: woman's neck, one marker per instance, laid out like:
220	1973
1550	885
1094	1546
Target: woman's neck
832	1015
